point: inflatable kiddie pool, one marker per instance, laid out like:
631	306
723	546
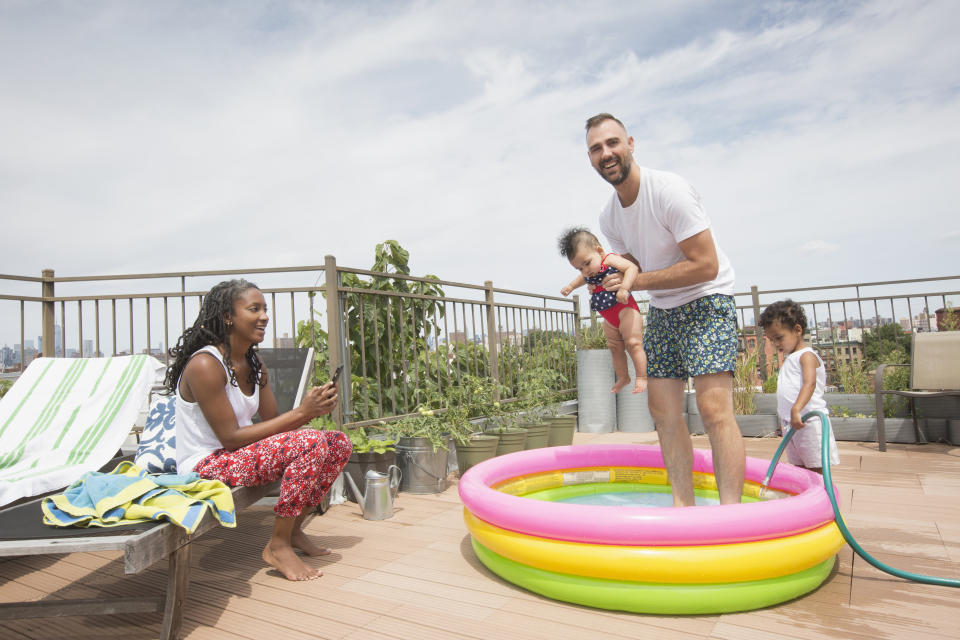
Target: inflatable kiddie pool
664	560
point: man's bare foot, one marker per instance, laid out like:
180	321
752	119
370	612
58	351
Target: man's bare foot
619	384
302	541
640	385
285	560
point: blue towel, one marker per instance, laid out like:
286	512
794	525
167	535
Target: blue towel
129	495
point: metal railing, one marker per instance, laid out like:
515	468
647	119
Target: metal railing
398	334
861	307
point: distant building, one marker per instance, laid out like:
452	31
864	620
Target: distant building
286	342
919	322
57	341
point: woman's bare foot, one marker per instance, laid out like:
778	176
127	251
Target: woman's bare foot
286	561
619	384
640	385
302	541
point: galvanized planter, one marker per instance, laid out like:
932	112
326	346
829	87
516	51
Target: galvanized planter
424	470
633	414
597	406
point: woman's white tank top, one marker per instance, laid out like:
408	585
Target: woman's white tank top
195	438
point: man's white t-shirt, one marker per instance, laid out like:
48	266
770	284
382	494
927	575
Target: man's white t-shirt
666	212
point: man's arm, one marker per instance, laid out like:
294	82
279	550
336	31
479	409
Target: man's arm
700	264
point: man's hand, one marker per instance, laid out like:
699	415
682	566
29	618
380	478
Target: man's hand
613	281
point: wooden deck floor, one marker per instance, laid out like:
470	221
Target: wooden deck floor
415	576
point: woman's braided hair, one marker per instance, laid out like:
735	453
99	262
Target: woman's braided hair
210	328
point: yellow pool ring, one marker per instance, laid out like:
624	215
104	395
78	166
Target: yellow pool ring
695	564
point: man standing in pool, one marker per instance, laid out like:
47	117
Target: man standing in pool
654	218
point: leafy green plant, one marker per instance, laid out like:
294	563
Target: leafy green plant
895	378
770	384
5	386
425	423
363	443
948	318
592	337
537	392
841	411
387	334
853	378
744	377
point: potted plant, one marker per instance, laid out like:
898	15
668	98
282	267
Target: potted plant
376	452
744	404
539	400
510	436
597	407
421	449
465	404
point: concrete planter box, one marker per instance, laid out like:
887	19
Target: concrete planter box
953	432
857	429
865	429
758	425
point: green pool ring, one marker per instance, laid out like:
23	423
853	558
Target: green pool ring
645	597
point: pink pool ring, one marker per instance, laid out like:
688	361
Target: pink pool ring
806	508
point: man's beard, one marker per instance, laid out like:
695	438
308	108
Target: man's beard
622	176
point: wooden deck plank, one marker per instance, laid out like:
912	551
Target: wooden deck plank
415	575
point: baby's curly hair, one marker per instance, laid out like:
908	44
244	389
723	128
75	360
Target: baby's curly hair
787	312
574	239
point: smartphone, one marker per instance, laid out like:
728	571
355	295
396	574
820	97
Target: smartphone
336	375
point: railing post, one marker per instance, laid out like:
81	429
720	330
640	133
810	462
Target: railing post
493	338
758	332
335	347
576	320
47	315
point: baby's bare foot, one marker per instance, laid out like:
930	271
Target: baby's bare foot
302	541
640	385
619	384
285	560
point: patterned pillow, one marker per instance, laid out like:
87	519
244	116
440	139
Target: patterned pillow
157	452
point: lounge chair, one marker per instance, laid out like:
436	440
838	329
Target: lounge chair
934	371
142	544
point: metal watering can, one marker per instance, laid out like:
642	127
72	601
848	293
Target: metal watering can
380	489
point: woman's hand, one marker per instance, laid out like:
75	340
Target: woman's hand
319	400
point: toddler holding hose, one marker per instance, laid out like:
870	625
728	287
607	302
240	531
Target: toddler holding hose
800	384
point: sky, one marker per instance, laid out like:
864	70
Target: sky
141	137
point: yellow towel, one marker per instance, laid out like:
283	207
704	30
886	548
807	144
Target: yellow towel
129	495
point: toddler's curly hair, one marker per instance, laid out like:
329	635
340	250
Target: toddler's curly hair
787	312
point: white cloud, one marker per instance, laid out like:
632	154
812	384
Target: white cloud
818	247
269	135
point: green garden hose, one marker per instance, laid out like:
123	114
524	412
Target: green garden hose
828	485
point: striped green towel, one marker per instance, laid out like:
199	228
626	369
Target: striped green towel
67	416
